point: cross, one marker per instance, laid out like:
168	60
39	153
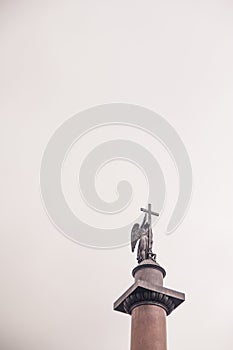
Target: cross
150	212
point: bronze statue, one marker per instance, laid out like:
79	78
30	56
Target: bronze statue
144	234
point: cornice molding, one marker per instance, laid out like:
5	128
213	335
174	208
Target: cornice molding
148	297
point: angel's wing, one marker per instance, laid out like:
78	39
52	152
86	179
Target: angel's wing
135	235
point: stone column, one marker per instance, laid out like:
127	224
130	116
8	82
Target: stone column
148	328
148	303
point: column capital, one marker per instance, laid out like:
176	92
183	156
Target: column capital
141	293
147	297
148	290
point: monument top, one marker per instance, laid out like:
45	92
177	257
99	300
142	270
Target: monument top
144	235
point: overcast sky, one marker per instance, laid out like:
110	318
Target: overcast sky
61	57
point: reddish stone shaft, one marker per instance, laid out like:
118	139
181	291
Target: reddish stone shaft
148	328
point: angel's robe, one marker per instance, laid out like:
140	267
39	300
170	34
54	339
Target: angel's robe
142	247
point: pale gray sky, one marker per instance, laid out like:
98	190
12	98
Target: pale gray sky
61	57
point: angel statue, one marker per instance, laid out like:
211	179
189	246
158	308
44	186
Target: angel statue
144	234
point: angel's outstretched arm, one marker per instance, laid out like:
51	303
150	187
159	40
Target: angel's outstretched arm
144	220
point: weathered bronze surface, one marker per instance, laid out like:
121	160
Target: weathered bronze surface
144	235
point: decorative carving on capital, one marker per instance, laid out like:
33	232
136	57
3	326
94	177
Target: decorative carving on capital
147	297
